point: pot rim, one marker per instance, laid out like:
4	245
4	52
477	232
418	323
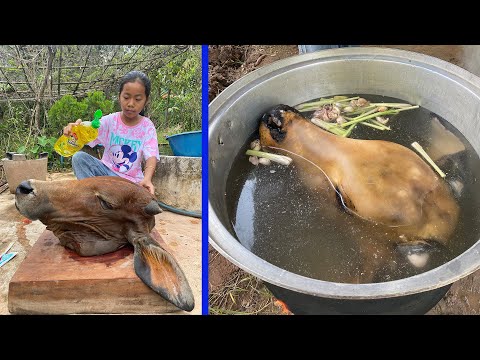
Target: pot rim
229	247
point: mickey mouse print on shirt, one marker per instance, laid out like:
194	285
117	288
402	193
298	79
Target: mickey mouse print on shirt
122	157
126	147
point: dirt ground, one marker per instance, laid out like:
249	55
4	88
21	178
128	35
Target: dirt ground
181	233
233	291
227	63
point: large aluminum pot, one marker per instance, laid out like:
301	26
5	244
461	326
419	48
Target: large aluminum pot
441	87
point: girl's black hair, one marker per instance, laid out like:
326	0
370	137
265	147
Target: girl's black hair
133	76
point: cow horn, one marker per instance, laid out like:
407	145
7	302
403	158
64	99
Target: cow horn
152	208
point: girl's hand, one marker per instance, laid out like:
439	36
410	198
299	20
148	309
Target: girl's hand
67	130
147	184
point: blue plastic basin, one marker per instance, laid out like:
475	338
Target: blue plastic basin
186	144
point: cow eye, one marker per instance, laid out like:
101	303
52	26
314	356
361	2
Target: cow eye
105	205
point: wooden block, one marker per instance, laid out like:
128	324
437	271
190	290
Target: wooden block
55	280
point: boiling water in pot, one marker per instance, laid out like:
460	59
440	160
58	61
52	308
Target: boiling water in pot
276	217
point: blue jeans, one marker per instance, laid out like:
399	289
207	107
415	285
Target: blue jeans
302	49
85	165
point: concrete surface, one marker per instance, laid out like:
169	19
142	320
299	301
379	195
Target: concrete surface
178	182
181	233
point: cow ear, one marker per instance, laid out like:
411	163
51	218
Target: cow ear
160	271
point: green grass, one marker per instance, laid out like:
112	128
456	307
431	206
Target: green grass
242	294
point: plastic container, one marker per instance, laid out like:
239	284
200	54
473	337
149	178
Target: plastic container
186	144
81	134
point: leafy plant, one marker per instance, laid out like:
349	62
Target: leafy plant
42	144
14	130
174	70
96	100
163	133
176	93
68	109
64	111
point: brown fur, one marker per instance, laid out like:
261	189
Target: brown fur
162	270
380	181
72	210
101	214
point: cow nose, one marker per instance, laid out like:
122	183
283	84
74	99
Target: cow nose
24	188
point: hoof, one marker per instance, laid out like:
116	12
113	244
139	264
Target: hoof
422	253
417	253
412	258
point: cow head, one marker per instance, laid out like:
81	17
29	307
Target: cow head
97	215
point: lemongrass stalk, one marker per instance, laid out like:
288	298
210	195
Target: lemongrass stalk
281	159
371	116
422	152
349	131
378	123
347	99
362	110
408	108
393	105
334	129
372	125
363	114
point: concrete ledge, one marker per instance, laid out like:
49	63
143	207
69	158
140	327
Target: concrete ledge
178	182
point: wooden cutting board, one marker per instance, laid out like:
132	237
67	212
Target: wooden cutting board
55	280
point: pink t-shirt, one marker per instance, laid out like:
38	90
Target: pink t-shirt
126	146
